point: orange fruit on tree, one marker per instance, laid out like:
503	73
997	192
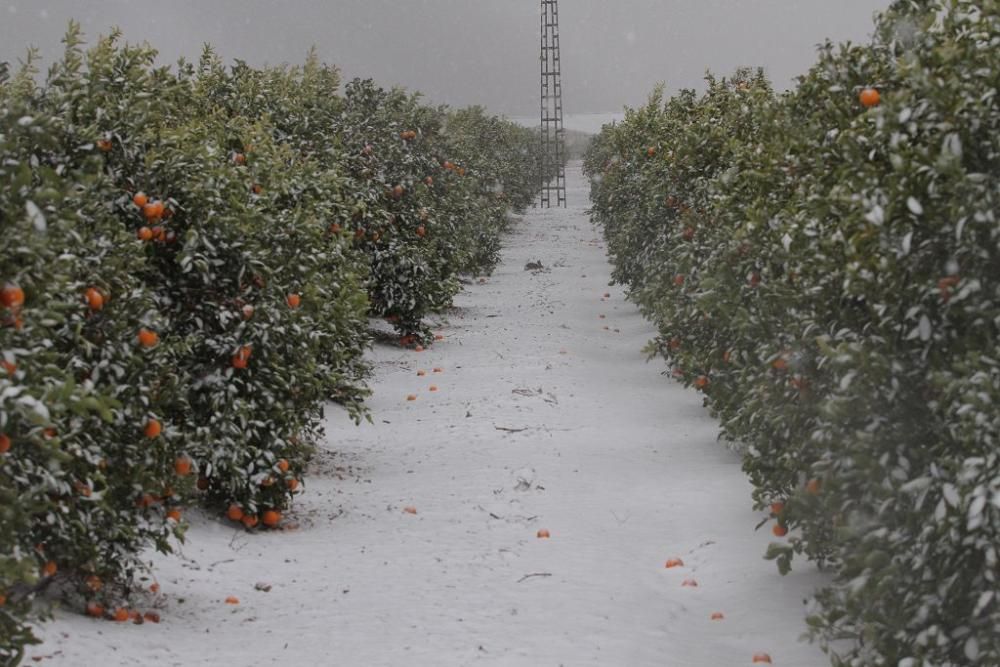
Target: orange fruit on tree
271	518
140	199
12	296
397	192
651	151
869	98
293	300
813	487
421	231
94	583
50	568
293	484
256	188
234	513
283	465
779	530
4	443
153	210
701	382
148	338
94	299
238	362
104	145
174	515
239	158
9	366
94	610
121	615
182	466
779	364
679	280
153	428
248	311
777	507
249	520
144	234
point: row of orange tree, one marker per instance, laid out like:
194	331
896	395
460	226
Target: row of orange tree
189	260
824	265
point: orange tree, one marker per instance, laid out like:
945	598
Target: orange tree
828	278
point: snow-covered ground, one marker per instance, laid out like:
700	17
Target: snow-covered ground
547	416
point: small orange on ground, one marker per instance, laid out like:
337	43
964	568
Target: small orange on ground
94	610
232	599
433	387
411	397
779	530
12	296
154	588
271	518
674	562
151	616
174	515
869	98
421	374
121	615
140	199
249	520
148	338
153	428
293	300
283	465
689	583
439	370
410	509
761	659
813	487
543	534
718	616
418	348
4	443
234	513
144	234
182	466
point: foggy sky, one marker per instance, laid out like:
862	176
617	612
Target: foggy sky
464	52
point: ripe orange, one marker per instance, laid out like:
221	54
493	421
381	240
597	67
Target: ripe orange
439	370
95	610
232	599
12	296
256	188
543	534
335	228
239	159
674	562
50	568
8	366
283	465
121	615
433	387
148	338
421	374
421	231
293	300
718	616
701	382
153	428
870	98
94	583
271	518
153	210
410	510
679	280
182	466
94	299
777	507
234	513
411	397
779	364
151	616
813	487
761	658
248	311
4	443
140	199
779	530
144	234
293	484
104	145
249	520
174	515
651	151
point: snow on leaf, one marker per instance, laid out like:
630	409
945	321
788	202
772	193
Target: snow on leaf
907	243
953	144
972	648
916	208
786	241
36	216
876	216
951	495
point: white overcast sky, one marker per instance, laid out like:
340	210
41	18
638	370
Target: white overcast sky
472	51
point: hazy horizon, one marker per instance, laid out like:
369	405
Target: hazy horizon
463	52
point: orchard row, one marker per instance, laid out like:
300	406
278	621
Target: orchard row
190	258
824	265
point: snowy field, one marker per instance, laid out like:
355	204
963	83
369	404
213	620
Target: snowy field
546	417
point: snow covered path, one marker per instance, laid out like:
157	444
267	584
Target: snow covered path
547	417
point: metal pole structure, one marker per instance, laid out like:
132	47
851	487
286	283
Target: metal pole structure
552	132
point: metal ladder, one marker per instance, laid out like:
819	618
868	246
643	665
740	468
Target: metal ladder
552	131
